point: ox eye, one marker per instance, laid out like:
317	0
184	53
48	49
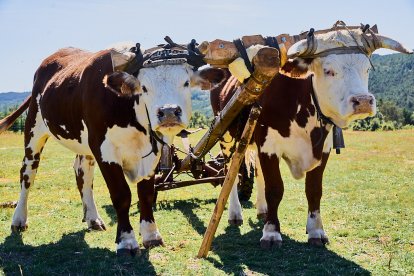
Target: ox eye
186	84
329	73
144	89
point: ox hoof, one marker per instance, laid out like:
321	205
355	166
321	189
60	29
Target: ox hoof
236	222
128	252
96	225
269	244
262	216
19	228
153	243
318	242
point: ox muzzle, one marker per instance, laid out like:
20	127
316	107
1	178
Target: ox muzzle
363	104
169	115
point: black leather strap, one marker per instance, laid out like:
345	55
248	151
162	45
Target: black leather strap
271	41
243	54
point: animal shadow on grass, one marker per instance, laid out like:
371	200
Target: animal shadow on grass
239	253
70	255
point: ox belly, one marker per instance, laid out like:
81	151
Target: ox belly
297	149
131	149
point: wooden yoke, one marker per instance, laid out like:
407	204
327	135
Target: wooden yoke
220	53
266	64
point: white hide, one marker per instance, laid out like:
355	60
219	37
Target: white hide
270	233
35	144
336	79
127	147
296	149
128	241
87	166
261	203
314	226
235	210
149	231
74	145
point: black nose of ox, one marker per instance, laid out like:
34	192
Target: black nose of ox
363	103
169	114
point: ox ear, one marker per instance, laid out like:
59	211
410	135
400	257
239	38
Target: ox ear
297	68
122	84
207	78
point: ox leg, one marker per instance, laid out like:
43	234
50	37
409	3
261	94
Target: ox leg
148	228
261	204
35	137
273	193
235	210
121	200
84	169
314	227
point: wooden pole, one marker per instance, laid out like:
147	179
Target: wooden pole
229	181
266	64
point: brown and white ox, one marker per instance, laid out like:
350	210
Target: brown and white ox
288	127
109	118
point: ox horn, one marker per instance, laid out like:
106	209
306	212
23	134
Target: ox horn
388	43
304	47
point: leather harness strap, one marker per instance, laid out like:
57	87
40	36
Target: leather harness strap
243	54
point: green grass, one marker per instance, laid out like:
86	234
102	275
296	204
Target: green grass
367	209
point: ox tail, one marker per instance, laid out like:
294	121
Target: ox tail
250	159
9	120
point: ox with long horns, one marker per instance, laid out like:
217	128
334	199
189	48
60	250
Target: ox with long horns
300	115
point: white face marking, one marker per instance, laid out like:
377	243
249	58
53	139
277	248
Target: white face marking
127	147
296	149
167	85
337	78
128	241
314	226
149	231
270	233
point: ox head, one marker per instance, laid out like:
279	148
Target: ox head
164	78
340	64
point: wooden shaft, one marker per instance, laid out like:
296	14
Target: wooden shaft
229	181
266	64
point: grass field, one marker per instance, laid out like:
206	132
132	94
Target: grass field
367	209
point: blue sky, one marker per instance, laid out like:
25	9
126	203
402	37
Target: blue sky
32	30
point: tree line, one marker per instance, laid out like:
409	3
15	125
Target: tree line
18	125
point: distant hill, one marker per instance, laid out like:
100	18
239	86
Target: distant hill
393	79
9	99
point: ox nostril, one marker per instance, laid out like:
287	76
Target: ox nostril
178	112
355	101
371	102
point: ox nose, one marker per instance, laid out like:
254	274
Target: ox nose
169	114
363	103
